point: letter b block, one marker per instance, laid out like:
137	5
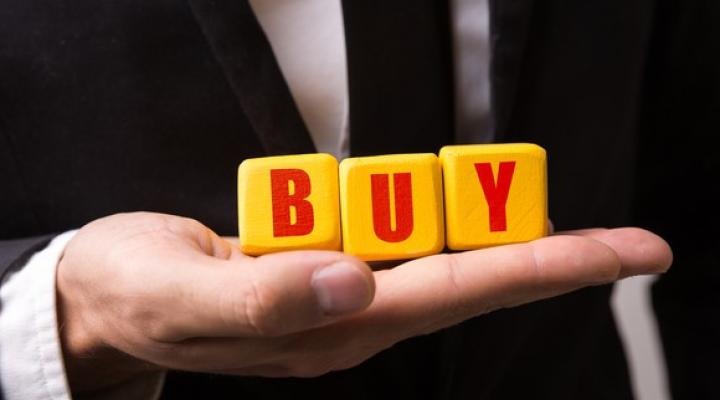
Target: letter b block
391	206
494	194
288	203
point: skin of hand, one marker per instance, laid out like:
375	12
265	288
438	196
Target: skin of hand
144	292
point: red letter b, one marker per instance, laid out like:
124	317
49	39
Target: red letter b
283	201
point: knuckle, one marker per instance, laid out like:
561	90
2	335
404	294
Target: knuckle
536	265
453	272
453	278
149	323
160	332
260	310
462	299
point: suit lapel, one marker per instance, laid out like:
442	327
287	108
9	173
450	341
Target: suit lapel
245	55
510	24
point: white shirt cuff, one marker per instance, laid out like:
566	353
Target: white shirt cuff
31	361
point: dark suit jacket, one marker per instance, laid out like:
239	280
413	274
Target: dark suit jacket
150	105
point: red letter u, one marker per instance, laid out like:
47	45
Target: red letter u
381	207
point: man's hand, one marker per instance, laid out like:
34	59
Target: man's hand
139	292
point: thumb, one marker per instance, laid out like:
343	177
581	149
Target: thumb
300	290
275	294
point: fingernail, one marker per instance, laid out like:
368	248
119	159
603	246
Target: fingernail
341	288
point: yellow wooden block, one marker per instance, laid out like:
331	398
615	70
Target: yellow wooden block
288	203
494	194
391	206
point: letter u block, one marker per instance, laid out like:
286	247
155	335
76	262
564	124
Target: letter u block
288	203
391	206
494	194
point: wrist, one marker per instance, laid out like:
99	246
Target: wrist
90	363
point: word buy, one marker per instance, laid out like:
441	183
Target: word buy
394	206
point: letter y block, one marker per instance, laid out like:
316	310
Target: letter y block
288	203
494	194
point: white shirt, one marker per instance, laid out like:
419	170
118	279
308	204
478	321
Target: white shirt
308	40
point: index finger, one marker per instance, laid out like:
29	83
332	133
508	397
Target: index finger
434	292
